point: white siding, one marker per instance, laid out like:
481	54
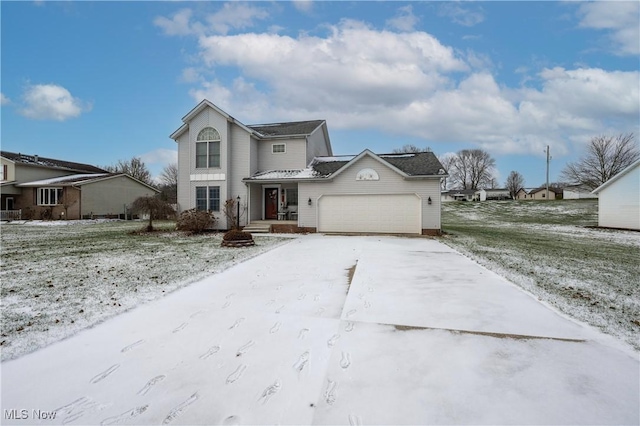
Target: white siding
184	170
295	156
619	203
317	144
570	194
239	168
390	182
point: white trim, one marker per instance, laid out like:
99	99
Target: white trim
208	176
284	145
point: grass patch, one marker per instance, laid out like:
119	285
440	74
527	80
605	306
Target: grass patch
57	280
551	249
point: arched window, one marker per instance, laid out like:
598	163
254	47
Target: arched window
208	148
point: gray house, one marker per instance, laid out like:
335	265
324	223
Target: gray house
34	187
286	173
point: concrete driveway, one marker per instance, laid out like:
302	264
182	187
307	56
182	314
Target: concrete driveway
333	330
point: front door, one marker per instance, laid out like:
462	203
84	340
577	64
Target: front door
271	203
9	203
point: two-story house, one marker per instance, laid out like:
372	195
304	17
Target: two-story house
34	187
288	171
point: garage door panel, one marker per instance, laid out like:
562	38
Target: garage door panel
388	213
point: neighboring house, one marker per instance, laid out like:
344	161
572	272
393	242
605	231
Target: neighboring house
577	192
458	195
492	194
40	187
535	194
288	171
619	199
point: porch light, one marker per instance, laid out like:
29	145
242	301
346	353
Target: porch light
309	202
429	201
238	213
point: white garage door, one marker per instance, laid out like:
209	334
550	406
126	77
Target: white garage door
389	213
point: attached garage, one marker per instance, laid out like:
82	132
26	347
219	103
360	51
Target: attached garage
383	213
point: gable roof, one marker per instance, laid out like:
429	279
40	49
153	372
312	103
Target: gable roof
79	180
543	188
631	167
419	164
415	165
35	160
261	131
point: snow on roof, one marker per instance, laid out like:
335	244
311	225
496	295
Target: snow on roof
65	179
285	174
333	159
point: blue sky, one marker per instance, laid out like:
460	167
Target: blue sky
96	82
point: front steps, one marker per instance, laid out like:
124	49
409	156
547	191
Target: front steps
257	228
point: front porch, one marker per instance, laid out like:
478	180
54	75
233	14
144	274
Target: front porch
275	226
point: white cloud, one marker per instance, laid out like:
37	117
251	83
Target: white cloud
51	102
621	18
304	6
161	156
465	16
404	20
179	24
410	84
4	100
235	16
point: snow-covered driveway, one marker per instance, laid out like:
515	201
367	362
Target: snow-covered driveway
421	335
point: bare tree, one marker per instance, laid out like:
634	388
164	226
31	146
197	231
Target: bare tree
134	168
447	161
231	209
169	183
471	169
514	182
606	156
154	207
410	148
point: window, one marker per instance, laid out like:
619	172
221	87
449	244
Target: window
49	196
208	148
208	198
292	197
278	148
3	173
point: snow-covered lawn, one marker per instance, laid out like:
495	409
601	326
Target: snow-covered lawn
552	250
59	277
334	330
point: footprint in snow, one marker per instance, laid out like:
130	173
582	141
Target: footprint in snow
237	323
279	309
330	392
244	348
349	327
275	327
345	362
236	374
180	327
132	346
104	374
177	411
303	333
302	361
351	312
212	350
354	420
151	383
124	417
226	305
333	340
302	296
270	391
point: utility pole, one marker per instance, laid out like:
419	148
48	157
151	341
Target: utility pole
547	196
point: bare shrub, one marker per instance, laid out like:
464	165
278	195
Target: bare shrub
195	221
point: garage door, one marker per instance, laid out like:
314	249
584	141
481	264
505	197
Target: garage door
387	213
